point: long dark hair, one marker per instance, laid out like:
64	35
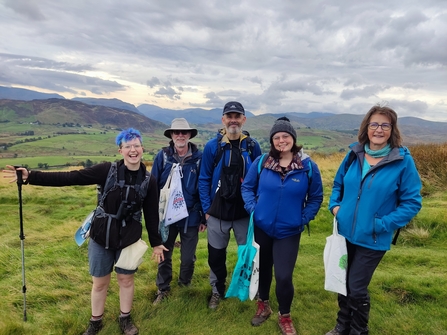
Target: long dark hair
395	139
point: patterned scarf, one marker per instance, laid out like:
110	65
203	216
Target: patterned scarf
273	164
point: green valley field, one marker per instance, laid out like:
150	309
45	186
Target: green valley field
408	291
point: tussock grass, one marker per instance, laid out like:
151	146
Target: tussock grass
407	292
431	161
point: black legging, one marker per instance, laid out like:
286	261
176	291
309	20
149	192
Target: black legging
280	254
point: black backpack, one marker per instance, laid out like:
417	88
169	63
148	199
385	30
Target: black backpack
112	230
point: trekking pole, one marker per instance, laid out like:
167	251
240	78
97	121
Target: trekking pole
22	237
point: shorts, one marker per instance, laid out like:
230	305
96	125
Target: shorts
102	260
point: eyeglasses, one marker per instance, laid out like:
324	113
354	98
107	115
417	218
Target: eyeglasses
178	132
284	137
129	146
375	125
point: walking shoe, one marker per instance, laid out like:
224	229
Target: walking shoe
338	331
126	325
214	301
286	325
94	327
161	295
262	313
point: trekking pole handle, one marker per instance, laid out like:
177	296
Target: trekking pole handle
19	174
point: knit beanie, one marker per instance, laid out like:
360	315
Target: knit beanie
283	124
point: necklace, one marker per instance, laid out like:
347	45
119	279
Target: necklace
378	153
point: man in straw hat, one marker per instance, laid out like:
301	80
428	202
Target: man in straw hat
180	150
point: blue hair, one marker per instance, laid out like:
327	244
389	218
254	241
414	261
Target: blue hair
128	135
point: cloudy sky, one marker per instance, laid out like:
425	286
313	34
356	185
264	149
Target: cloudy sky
273	56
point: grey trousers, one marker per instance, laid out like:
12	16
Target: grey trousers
218	238
189	240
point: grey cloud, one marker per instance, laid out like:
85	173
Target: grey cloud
27	8
409	108
364	92
354	80
413	86
331	53
153	82
299	85
42	63
168	92
212	99
58	81
256	80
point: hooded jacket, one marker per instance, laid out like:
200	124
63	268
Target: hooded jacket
190	169
210	174
373	207
283	207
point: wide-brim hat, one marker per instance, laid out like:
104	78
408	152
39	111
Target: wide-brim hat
180	124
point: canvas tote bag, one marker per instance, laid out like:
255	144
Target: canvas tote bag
254	279
176	208
162	203
243	271
132	256
335	259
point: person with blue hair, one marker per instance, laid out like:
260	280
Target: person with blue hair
127	136
110	232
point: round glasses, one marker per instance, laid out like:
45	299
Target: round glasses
375	125
129	146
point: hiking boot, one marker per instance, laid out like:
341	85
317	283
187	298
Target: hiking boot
262	313
126	325
94	327
286	325
338	331
214	301
161	295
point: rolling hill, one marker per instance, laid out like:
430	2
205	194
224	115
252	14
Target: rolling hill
63	111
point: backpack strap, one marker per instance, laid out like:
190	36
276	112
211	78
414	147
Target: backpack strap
110	181
261	163
219	152
250	145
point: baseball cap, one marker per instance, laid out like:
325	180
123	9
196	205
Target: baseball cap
233	107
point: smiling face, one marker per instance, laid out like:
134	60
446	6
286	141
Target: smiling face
233	123
283	141
132	152
180	138
378	138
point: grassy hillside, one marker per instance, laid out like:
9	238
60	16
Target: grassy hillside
407	292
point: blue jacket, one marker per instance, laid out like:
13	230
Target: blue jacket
386	199
210	174
190	169
283	207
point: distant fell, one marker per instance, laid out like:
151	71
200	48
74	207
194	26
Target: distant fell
63	111
193	115
15	93
114	103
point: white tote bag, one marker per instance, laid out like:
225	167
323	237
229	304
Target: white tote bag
162	205
176	208
254	279
132	256
335	262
